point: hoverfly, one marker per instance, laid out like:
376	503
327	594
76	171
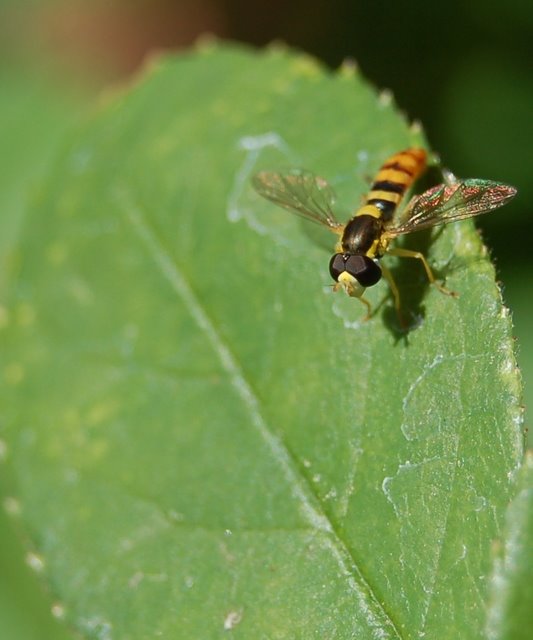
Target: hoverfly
366	237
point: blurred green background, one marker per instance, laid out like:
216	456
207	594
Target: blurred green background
462	69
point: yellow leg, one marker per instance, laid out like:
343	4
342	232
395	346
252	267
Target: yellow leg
395	293
367	304
368	308
407	253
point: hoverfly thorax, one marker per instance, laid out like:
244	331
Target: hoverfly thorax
361	235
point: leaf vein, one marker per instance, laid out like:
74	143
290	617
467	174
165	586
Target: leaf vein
376	615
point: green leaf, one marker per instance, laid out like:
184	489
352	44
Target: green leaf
201	435
511	613
33	116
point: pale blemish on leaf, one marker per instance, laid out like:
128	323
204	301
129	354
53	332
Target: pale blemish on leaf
12	506
97	626
58	610
232	619
35	562
242	202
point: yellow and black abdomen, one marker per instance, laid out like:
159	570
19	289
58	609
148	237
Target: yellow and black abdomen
392	181
363	233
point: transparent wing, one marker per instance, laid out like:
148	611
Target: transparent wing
448	203
301	193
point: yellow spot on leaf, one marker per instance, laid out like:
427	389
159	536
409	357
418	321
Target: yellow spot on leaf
14	373
56	253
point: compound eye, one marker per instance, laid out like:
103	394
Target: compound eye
363	269
336	266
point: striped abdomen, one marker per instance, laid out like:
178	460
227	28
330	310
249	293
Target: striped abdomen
363	233
393	179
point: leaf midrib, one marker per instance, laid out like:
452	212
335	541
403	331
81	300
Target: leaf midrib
301	488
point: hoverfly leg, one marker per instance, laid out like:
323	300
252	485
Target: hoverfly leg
407	253
395	294
368	308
